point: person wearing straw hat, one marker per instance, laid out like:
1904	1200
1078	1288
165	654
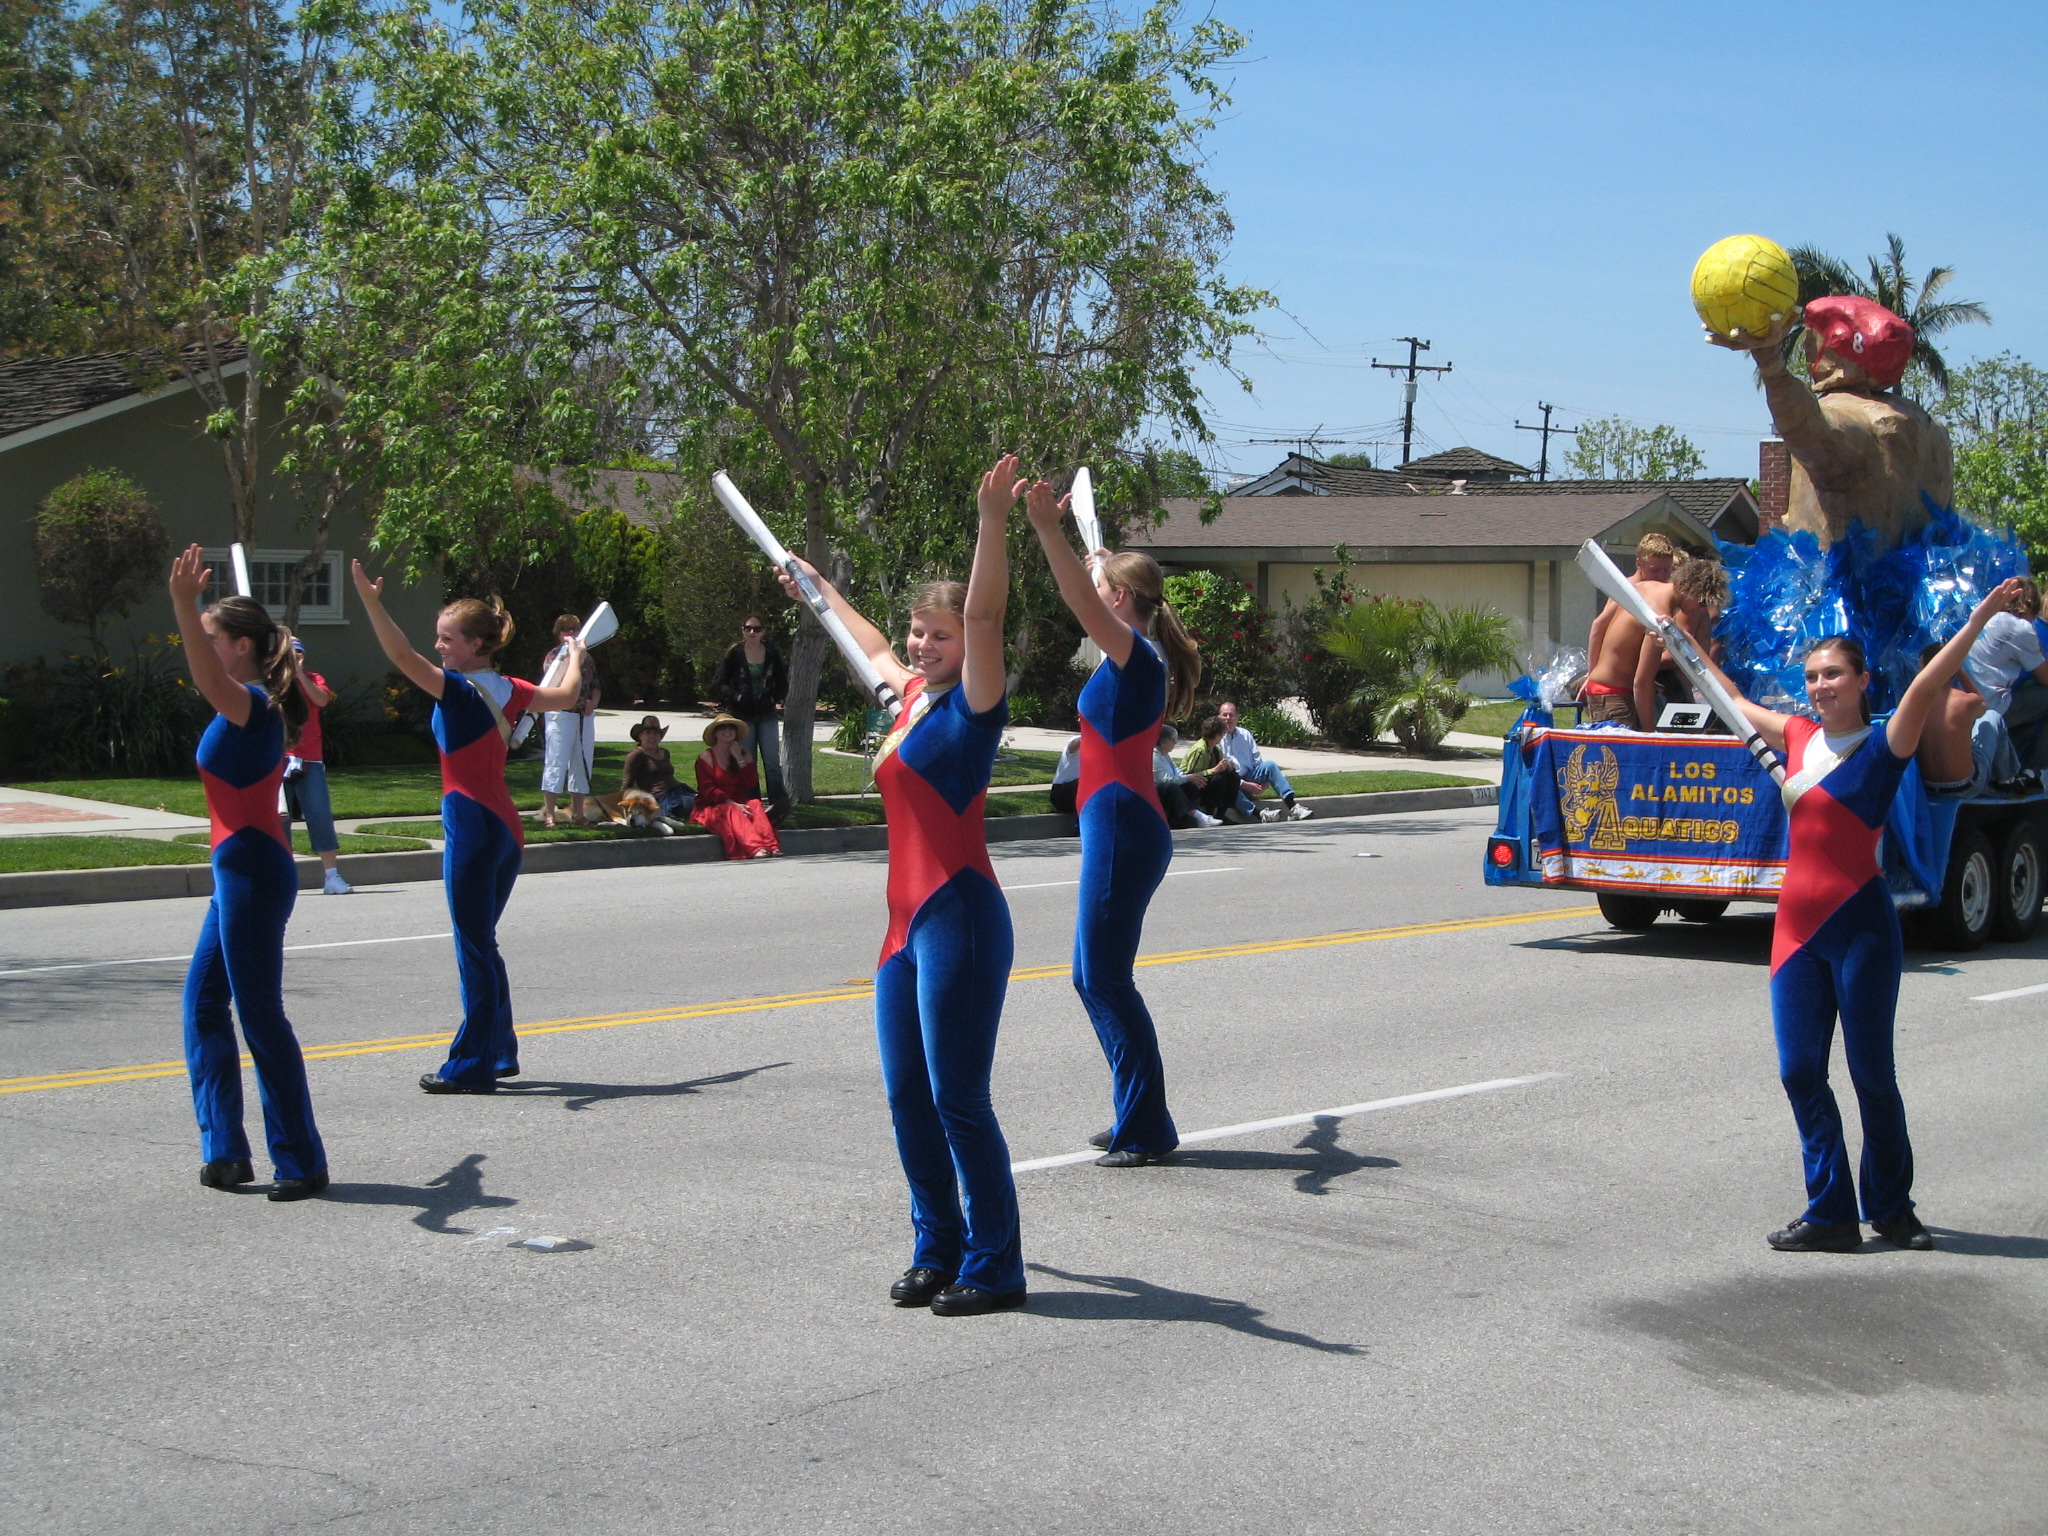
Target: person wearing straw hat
729	793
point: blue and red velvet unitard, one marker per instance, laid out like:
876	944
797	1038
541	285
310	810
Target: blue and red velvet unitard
479	861
939	989
240	957
1125	848
1836	950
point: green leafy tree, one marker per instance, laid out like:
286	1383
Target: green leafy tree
1615	448
1308	671
1410	656
1996	411
872	231
100	546
1887	281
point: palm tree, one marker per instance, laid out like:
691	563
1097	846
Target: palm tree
1410	656
1890	284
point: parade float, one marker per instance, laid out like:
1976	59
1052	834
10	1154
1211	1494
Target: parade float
1686	821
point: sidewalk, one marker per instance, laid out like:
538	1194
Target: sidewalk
32	813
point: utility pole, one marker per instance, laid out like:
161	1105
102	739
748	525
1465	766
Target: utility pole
1548	431
1411	368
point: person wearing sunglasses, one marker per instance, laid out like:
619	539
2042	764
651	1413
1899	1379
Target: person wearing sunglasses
749	685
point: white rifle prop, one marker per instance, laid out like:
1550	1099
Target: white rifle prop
239	557
598	628
1606	575
1086	521
751	525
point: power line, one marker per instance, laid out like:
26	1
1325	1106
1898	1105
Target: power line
1548	431
1411	368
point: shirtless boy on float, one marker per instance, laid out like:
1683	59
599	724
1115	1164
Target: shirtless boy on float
1654	558
1610	690
1699	592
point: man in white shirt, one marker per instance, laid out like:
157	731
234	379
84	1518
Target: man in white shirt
2009	669
1252	768
1066	778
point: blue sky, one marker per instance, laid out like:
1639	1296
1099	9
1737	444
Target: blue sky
1528	186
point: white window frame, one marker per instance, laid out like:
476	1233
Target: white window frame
309	613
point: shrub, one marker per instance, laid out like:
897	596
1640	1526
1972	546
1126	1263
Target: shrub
1407	657
1239	657
99	544
137	719
1274	727
1309	672
1026	709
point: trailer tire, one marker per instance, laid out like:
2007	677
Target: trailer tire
1700	911
2019	881
1631	914
1969	895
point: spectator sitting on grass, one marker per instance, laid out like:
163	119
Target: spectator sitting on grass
650	770
1176	793
1257	773
1213	776
1066	778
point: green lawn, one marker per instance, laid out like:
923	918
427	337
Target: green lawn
18	855
1370	781
1494	718
414	789
350	842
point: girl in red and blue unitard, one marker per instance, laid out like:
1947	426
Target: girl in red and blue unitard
482	836
1835	949
242	664
1149	670
945	961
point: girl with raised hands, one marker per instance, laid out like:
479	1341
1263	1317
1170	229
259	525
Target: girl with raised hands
482	836
242	663
1149	671
945	962
1835	946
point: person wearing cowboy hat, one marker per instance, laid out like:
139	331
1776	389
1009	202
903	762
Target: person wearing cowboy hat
729	793
649	769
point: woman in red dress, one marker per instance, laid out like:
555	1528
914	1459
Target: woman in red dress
729	794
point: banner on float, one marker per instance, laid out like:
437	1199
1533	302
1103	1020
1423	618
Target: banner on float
1679	815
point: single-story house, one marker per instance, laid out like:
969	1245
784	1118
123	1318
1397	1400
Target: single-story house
62	416
1510	546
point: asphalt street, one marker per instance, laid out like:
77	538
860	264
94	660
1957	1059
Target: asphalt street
1542	1303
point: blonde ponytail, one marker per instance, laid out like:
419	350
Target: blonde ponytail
1139	575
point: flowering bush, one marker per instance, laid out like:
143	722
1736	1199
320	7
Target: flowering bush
1240	658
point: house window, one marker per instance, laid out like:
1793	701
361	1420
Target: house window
270	574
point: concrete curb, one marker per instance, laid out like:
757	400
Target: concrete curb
74	887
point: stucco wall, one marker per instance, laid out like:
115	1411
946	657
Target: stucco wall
161	447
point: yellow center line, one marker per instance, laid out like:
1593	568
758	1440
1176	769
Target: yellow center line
847	992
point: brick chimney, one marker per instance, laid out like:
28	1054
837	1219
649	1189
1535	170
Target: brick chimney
1774	481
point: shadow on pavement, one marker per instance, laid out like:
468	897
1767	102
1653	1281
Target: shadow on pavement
1986	1245
1119	1298
460	1189
1734	940
583	1095
1318	1161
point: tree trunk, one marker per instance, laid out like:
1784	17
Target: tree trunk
800	706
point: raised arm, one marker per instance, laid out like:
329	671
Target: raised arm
315	695
422	673
1903	730
984	672
565	693
189	576
872	642
1768	723
1047	515
1795	409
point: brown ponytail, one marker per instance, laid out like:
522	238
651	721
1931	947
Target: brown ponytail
243	618
1139	575
487	623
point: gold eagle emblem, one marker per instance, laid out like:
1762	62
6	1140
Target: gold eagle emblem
1589	800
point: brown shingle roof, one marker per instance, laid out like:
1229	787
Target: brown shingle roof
1463	464
39	391
1486	520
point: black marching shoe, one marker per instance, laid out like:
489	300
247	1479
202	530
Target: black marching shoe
1904	1232
226	1173
1805	1236
1131	1157
434	1082
298	1189
918	1286
972	1301
1101	1139
506	1072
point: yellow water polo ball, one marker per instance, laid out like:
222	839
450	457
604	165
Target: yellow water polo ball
1744	285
